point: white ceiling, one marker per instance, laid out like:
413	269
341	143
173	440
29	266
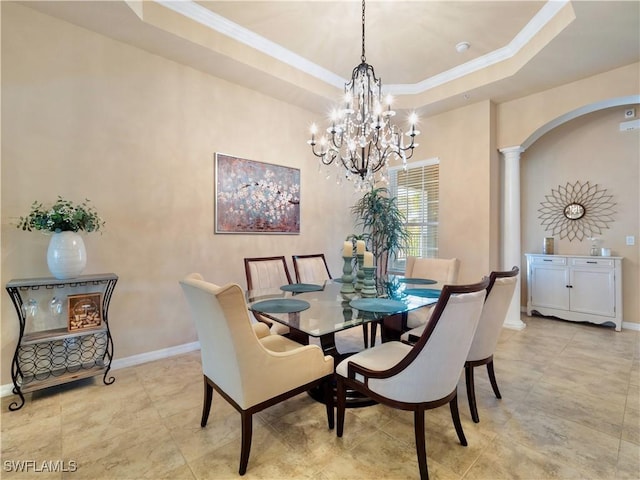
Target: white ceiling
304	51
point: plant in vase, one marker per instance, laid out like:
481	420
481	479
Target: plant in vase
66	255
383	225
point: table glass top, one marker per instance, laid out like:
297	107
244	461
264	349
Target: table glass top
329	310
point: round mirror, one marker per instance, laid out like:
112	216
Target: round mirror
574	211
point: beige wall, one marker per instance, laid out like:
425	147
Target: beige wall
468	207
590	148
85	116
521	118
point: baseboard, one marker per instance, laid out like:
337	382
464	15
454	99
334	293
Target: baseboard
118	363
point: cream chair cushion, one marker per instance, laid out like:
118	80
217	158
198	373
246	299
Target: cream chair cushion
443	270
267	274
493	315
311	270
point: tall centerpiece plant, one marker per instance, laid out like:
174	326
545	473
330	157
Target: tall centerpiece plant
66	255
383	225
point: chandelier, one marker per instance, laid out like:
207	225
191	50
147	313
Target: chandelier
361	139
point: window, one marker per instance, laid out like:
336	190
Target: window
417	193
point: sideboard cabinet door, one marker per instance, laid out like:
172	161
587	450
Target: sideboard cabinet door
549	283
594	287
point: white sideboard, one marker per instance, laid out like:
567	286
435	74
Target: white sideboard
575	287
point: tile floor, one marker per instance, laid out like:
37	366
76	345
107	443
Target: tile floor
570	410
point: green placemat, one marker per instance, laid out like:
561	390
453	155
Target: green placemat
301	287
280	305
378	305
423	292
417	281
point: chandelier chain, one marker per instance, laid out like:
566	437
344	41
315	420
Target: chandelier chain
362	57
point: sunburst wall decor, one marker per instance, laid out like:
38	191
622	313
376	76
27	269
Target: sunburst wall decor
576	211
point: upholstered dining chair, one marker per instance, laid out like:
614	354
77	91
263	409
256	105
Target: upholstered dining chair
443	270
249	373
311	268
500	291
265	273
422	376
314	269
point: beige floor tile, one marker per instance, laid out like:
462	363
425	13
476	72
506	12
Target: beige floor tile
628	467
564	441
570	409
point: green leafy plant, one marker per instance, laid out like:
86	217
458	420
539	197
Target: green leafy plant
62	216
383	225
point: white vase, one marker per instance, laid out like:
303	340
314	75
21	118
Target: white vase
66	255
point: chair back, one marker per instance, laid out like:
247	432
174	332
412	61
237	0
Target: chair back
432	368
311	268
232	356
266	272
443	270
502	286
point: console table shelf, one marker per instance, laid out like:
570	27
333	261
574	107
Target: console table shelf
47	352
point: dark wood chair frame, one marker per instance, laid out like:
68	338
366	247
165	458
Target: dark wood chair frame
470	365
418	408
324	383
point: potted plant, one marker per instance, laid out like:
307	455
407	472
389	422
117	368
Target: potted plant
383	225
66	255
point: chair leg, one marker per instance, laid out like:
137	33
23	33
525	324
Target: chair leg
421	445
247	431
471	392
365	335
341	396
492	379
455	415
328	400
374	331
206	404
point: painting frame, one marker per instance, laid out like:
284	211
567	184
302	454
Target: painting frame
84	312
253	197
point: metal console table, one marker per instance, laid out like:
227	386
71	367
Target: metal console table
48	353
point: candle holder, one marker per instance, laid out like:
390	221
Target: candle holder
347	277
369	283
360	273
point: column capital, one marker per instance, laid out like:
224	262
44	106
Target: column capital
511	151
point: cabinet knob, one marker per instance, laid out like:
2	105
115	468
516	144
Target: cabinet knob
569	286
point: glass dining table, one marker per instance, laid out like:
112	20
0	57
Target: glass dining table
321	311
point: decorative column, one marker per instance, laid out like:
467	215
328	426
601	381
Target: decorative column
511	243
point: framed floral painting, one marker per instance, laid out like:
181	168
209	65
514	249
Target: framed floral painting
255	197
